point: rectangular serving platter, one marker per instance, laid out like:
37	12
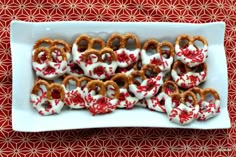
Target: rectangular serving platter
24	34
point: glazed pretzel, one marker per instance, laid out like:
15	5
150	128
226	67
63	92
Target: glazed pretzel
148	86
115	87
182	111
76	48
46	104
191	54
169	87
162	58
126	100
125	57
75	98
54	64
101	102
208	109
55	86
96	67
121	77
189	77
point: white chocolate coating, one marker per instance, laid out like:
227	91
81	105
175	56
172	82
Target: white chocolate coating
191	55
74	98
127	57
208	110
56	69
189	79
126	100
143	91
38	101
154	103
94	69
181	113
99	104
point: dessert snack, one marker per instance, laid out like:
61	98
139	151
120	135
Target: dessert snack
146	82
126	100
169	87
183	109
49	63
81	44
43	42
189	53
125	57
48	43
112	75
163	58
186	77
47	99
79	47
99	64
208	108
157	102
101	97
74	98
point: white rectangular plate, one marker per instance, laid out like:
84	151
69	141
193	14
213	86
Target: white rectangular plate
24	35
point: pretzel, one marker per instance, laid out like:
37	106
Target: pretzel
98	41
169	87
208	109
66	46
96	67
125	57
52	43
46	104
74	98
78	51
148	87
189	77
126	100
38	43
159	59
41	55
36	88
182	111
157	102
112	38
114	87
155	70
71	66
128	36
191	54
53	66
58	88
101	102
76	48
83	81
198	93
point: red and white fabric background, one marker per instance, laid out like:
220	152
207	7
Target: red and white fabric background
116	142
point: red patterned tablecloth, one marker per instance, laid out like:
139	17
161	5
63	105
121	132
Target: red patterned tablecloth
116	142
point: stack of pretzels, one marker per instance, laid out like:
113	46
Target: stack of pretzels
102	76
